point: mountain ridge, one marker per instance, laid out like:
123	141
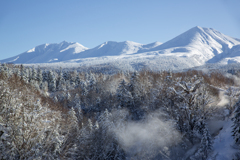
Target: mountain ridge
199	45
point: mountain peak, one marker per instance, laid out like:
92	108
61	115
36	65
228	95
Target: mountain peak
64	42
198	28
197	36
203	43
131	43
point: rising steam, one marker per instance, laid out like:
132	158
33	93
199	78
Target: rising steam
148	138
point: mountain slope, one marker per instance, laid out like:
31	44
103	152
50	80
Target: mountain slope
112	48
49	53
46	53
199	35
229	56
202	44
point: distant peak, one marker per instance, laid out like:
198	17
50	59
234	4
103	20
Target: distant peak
109	42
198	27
157	42
64	41
129	42
203	28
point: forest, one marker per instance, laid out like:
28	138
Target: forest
68	114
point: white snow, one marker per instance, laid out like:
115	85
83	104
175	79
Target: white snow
15	59
46	45
195	47
31	50
77	48
51	60
224	142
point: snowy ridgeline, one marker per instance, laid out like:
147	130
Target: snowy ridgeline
66	114
195	47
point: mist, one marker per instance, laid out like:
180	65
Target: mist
223	99
148	138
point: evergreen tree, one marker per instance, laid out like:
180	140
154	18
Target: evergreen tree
45	76
39	76
135	89
205	145
7	70
77	81
33	75
66	75
76	101
23	73
84	88
124	97
236	123
73	78
91	82
134	86
61	83
51	81
68	85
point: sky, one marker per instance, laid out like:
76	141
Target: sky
28	23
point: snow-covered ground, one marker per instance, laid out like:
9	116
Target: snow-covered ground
223	145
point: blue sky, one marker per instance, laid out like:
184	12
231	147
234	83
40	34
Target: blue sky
27	23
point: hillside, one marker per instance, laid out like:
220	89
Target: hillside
65	114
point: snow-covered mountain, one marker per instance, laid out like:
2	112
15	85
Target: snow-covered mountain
50	53
201	44
46	53
112	48
194	47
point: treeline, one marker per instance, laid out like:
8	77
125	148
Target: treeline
56	114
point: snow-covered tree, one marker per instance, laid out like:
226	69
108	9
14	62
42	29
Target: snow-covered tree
61	86
73	78
191	101
233	94
45	76
33	75
124	97
77	81
137	92
72	131
91	82
51	81
134	86
84	88
205	146
23	73
66	75
76	101
30	130
236	123
39	77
